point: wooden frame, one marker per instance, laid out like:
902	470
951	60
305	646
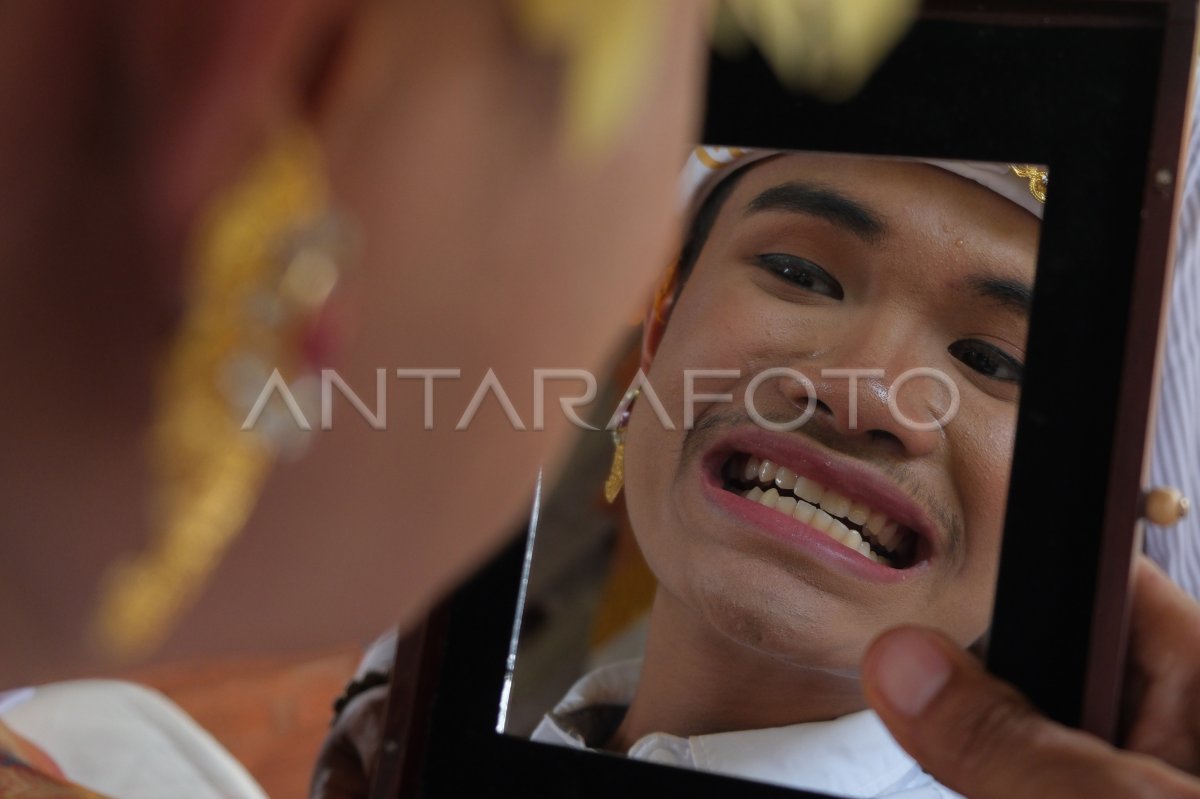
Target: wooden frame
1097	90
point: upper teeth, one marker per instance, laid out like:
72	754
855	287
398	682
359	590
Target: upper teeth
820	507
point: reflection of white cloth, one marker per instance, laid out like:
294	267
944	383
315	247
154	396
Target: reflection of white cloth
126	741
853	756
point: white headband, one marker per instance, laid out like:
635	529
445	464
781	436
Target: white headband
1023	184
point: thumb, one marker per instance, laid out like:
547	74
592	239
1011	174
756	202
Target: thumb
978	736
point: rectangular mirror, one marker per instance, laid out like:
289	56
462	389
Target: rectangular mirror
816	438
792	273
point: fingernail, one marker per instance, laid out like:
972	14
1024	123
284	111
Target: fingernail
910	670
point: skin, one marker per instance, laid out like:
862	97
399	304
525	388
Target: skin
133	114
981	738
750	631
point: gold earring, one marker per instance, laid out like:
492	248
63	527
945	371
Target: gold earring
616	473
263	260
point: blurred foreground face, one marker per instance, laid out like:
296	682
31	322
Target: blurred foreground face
485	247
802	546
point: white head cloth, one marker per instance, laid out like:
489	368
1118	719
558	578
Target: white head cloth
708	166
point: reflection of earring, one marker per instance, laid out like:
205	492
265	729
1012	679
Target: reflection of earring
616	474
264	260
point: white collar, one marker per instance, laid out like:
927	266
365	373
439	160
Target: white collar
851	756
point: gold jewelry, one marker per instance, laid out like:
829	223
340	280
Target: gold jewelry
263	261
608	47
616	473
1039	179
829	47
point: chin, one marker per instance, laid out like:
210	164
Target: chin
800	626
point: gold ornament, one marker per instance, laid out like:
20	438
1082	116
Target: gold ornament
1165	506
616	473
1039	179
828	47
263	261
609	47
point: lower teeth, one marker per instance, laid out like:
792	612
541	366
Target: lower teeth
817	519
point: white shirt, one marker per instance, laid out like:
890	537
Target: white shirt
852	756
1176	453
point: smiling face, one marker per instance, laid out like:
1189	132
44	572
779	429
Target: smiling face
805	544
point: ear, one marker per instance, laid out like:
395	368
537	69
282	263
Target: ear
659	312
221	89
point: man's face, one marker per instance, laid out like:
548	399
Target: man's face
814	263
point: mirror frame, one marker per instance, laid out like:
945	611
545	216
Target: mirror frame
1097	90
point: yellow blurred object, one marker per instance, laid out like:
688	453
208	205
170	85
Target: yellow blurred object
609	47
1165	506
262	264
827	47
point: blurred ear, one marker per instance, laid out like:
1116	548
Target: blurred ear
226	75
657	316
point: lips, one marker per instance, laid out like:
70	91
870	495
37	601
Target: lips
853	524
811	490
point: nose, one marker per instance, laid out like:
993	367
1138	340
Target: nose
880	397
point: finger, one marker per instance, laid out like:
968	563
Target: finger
1162	687
1165	625
978	736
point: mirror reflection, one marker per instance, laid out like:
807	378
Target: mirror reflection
813	435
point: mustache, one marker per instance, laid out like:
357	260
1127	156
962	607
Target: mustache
715	421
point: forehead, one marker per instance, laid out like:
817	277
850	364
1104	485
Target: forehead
913	200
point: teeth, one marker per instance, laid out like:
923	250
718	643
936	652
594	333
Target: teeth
839	531
887	536
876	521
785	478
834	503
858	513
821	520
823	509
808	490
751	470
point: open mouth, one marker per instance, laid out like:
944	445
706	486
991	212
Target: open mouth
851	523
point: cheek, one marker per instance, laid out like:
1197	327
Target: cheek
983	466
987	464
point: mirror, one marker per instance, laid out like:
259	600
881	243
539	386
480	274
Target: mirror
816	437
1097	92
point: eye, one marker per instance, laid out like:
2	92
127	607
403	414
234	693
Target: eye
801	272
988	360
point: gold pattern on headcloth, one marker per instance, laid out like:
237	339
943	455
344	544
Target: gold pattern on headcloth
1039	179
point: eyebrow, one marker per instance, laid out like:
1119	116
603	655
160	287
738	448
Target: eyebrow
820	201
1013	295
